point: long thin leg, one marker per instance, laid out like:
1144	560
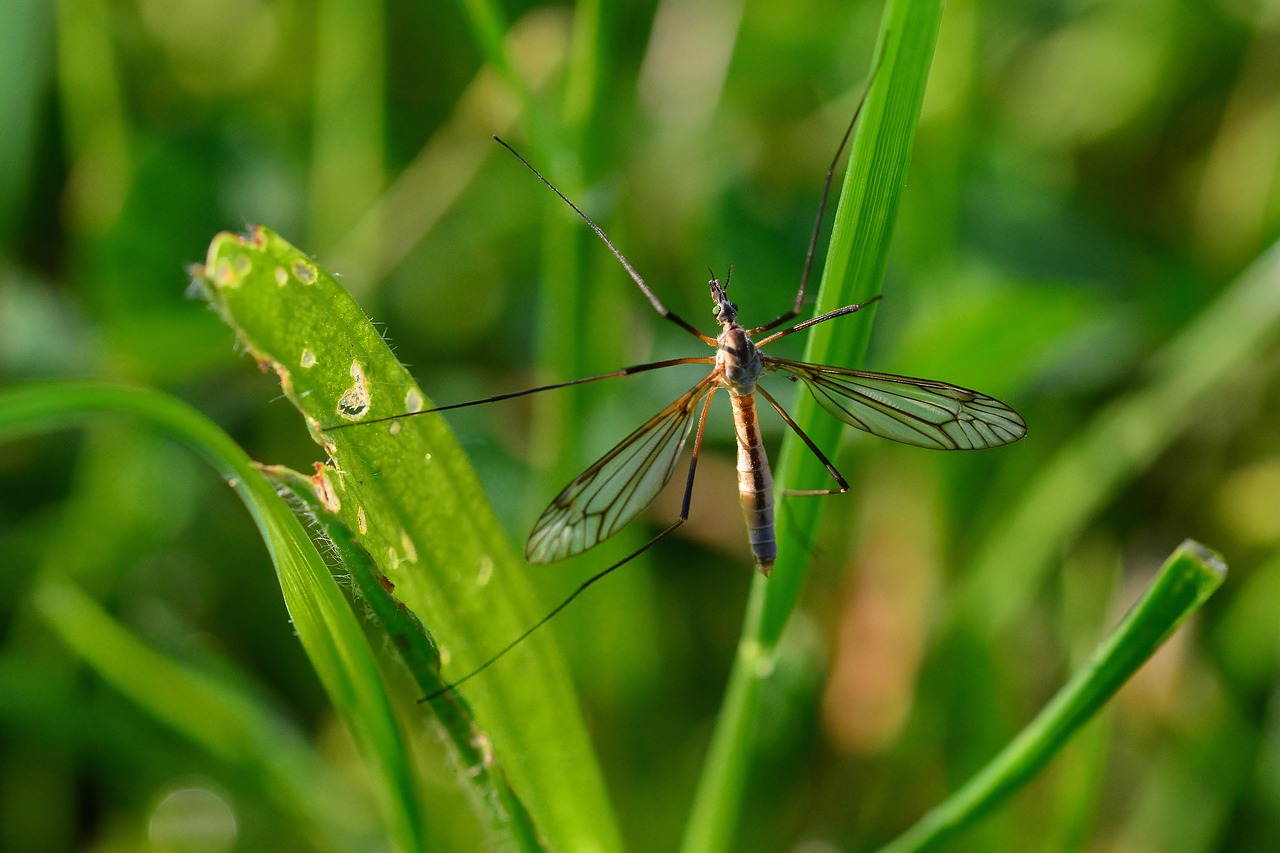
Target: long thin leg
626	371
684	516
831	469
448	688
798	305
822	318
662	310
693	459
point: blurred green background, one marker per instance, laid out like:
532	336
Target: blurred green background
1085	233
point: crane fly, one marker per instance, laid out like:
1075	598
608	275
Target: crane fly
621	484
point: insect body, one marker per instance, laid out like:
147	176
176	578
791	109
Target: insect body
625	480
738	365
619	485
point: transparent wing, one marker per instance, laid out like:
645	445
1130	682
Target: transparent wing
617	486
920	412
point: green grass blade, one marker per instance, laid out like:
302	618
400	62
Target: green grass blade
408	493
491	793
348	136
324	623
450	160
25	38
489	30
231	726
1187	579
853	272
1123	439
93	116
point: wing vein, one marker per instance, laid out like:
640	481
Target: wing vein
919	412
617	486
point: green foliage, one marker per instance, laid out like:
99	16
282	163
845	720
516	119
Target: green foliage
1187	579
407	494
853	273
1084	227
229	727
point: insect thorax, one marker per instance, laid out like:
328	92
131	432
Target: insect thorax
738	360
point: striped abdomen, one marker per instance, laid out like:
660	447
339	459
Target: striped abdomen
755	482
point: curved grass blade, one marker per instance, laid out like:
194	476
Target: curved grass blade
852	273
1187	579
236	729
1122	440
325	625
405	490
490	793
